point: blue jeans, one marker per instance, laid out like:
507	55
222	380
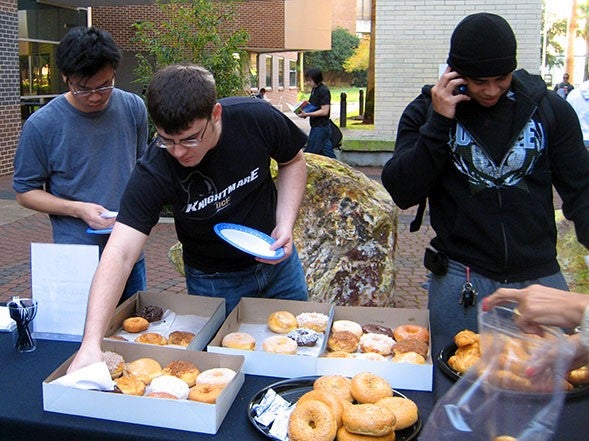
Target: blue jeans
285	280
137	280
319	142
448	317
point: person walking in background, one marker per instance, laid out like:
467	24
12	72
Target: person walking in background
579	99
210	162
76	153
487	157
318	112
564	87
261	94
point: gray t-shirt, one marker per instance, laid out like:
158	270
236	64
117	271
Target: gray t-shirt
81	156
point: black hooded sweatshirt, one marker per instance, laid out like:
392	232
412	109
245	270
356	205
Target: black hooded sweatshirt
489	180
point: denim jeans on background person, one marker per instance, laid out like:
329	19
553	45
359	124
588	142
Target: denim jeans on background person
448	317
285	280
319	142
137	280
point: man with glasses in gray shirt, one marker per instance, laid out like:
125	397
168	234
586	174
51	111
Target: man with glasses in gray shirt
76	153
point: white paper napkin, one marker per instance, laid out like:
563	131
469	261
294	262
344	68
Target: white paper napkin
93	377
6	323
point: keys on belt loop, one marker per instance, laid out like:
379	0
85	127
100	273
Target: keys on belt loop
468	295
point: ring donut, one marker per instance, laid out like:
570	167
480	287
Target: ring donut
205	393
369	388
282	322
337	385
408	332
280	344
217	376
312	420
334	403
405	410
369	419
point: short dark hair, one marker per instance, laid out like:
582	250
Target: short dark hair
84	51
315	74
179	94
262	90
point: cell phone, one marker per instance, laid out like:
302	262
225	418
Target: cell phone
461	89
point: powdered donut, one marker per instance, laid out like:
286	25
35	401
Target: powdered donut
170	384
379	343
369	419
219	376
337	385
239	340
161	395
342	341
282	322
114	363
347	325
407	332
312	420
404	409
279	344
369	388
304	336
313	320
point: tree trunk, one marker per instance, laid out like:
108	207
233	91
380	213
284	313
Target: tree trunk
369	107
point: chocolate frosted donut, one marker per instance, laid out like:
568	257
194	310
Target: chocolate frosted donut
304	336
151	313
377	329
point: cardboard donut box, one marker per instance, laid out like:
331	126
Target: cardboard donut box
174	414
252	312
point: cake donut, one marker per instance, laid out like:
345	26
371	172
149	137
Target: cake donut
282	322
377	329
408	332
279	344
369	419
205	393
312	420
379	343
343	341
184	370
239	340
304	336
411	346
347	325
217	376
135	324
405	410
312	320
369	388
337	385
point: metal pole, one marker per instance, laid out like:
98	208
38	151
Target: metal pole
361	102
343	110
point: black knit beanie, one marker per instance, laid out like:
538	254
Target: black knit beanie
483	45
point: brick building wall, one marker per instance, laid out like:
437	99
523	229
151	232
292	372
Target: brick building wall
10	119
413	39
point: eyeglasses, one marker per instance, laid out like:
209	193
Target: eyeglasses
190	143
87	92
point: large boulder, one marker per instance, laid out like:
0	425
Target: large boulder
345	235
571	255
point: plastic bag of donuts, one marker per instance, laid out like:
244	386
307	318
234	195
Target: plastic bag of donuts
515	392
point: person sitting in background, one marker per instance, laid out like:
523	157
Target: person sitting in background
564	87
579	99
261	94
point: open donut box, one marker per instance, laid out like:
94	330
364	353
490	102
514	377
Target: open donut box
251	316
174	414
206	313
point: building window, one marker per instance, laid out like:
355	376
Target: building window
292	73
268	71
363	9
38	70
280	72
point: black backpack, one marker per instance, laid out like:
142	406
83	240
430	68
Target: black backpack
336	135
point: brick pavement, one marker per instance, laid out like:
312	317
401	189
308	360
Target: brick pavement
19	227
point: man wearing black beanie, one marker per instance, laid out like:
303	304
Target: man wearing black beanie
485	145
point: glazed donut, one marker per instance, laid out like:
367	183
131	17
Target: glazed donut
408	357
312	420
369	419
504	438
239	340
161	395
205	393
129	385
313	320
135	324
337	385
373	356
114	363
282	322
145	369
151	313
304	336
405	410
378	343
279	344
152	338
377	329
216	376
347	325
407	332
169	384
417	346
465	337
184	370
579	376
334	403
339	354
344	435
343	341
180	338
369	388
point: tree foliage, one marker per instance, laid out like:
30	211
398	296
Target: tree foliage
343	44
194	31
359	59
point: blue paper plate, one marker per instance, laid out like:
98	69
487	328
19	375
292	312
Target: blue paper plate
249	240
103	231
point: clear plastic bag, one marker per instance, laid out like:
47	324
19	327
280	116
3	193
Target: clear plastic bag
495	400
